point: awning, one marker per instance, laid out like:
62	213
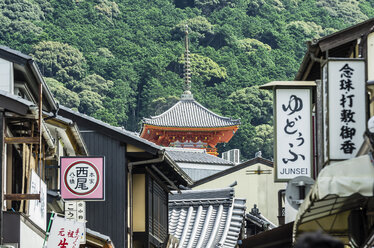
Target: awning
339	188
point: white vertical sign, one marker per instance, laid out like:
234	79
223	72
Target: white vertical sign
346	93
293	133
38	209
65	233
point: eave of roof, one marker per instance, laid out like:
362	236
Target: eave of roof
277	237
28	62
273	84
178	170
14	103
233	169
190	113
333	40
345	35
115	132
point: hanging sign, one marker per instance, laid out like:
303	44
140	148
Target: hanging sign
75	210
38	208
65	233
293	133
346	103
82	178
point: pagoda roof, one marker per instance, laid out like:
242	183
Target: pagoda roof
191	114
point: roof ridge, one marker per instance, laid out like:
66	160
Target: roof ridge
167	111
210	111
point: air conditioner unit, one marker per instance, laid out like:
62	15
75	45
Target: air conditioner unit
232	155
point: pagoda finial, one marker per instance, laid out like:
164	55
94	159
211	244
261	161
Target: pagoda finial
187	71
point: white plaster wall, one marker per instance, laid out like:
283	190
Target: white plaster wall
28	238
257	189
6	76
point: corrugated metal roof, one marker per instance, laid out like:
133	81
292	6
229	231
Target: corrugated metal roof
206	218
197	157
190	113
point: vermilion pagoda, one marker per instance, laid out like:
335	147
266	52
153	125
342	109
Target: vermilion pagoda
188	124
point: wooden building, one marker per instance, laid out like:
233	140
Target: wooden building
139	176
339	210
188	124
32	138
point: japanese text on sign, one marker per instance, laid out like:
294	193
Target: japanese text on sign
65	233
347	131
293	133
346	97
82	178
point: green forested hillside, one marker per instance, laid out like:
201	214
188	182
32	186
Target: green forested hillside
121	60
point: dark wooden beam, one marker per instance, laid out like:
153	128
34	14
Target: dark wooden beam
19	197
20	140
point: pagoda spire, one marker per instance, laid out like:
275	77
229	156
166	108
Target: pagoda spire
187	71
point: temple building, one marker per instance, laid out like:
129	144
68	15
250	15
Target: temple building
188	124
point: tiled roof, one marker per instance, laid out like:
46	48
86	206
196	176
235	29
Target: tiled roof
197	157
189	113
206	218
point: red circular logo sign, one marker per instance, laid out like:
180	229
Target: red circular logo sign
81	178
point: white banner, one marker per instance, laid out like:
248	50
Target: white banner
38	209
65	233
346	102
293	133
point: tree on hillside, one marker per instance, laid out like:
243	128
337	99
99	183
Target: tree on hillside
94	83
205	68
60	61
199	28
252	105
208	6
255	109
63	95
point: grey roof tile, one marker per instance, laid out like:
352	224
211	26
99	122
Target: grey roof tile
197	157
190	113
206	218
